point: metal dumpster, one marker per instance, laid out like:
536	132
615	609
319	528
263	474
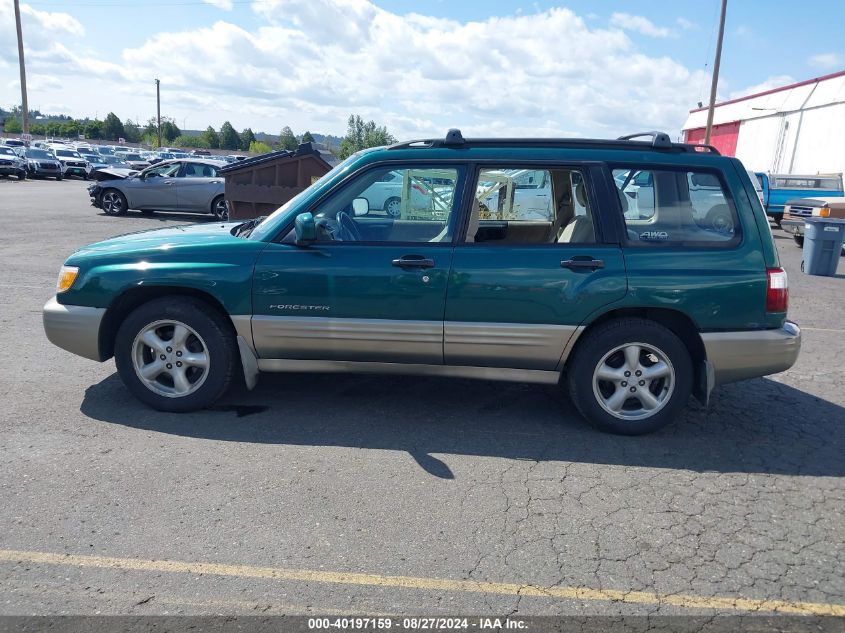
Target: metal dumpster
260	185
823	238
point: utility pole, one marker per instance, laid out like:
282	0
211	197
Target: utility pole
25	123
158	110
715	80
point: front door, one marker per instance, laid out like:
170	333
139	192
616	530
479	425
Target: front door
521	285
156	190
373	287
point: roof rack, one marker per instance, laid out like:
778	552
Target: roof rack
659	141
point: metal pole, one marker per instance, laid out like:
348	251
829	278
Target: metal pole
715	81
158	110
25	123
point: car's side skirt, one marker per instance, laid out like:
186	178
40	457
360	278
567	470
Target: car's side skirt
412	369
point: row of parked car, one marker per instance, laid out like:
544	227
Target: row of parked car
59	159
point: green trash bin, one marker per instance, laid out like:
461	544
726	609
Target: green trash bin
823	238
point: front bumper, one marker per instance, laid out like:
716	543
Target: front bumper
74	328
38	170
741	355
72	170
793	225
12	170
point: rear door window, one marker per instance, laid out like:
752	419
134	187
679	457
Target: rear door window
681	207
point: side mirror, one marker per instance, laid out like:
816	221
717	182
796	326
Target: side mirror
305	229
360	206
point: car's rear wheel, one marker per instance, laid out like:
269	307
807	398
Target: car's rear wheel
393	207
113	202
175	354
219	209
630	376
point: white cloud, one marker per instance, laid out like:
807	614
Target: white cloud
40	29
826	60
226	5
775	81
316	61
686	24
639	24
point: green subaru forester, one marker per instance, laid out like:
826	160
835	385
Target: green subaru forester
635	272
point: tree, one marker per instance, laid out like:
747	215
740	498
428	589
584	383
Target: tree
211	138
257	147
13	126
229	138
169	131
247	138
307	138
93	129
131	131
287	139
361	135
196	142
113	128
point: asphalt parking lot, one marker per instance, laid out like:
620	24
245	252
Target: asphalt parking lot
358	494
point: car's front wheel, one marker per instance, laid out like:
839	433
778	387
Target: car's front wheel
21	175
799	240
630	376
113	202
175	354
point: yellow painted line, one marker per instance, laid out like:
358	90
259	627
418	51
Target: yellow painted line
425	584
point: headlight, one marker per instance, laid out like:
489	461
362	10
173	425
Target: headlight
67	275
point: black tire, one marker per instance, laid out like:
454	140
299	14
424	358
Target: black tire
593	348
215	332
21	175
121	205
58	178
777	217
799	240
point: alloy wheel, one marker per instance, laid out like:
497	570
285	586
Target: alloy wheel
170	358
634	381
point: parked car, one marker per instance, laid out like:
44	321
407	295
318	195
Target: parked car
111	162
797	212
628	313
11	164
133	159
41	163
14	142
187	186
104	150
779	188
72	163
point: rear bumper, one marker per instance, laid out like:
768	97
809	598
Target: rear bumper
74	328
740	355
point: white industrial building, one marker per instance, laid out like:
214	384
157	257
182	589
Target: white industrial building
796	129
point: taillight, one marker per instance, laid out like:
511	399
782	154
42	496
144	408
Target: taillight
777	290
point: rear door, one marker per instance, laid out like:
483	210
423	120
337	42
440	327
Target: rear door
520	287
197	185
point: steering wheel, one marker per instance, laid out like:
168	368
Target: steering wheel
347	229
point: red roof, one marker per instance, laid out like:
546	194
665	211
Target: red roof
773	90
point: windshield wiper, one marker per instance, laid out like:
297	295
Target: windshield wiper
244	229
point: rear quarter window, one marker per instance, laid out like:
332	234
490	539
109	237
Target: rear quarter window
680	207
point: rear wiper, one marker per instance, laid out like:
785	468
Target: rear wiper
244	229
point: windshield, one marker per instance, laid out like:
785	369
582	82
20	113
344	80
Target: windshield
38	153
271	222
6	150
67	152
111	160
132	157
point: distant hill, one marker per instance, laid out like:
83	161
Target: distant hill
331	142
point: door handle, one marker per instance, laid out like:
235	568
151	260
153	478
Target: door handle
582	263
414	261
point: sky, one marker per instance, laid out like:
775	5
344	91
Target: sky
492	67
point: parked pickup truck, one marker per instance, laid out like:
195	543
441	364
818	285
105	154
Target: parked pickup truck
780	188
